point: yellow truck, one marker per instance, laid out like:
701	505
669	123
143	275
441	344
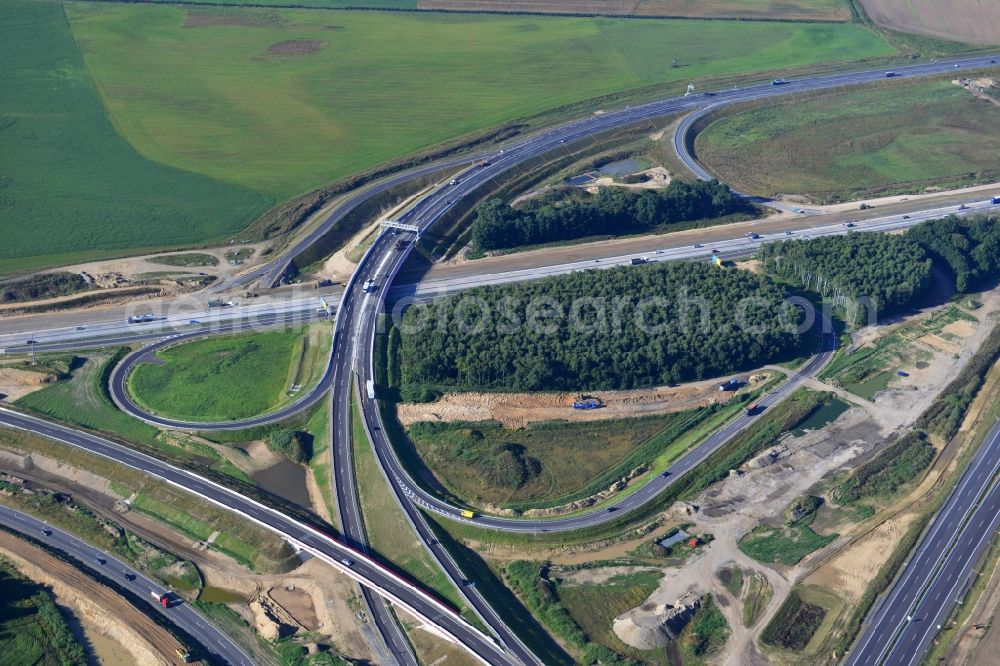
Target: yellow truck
468	514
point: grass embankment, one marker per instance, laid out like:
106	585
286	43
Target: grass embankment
791	542
780	419
343	73
63	512
490	584
389	533
80	397
189	260
756	599
245	542
320	465
43	285
542	594
32	630
904	137
74	189
546	464
232	377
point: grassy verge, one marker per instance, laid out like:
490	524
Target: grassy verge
769	150
252	545
389	534
72	517
231	377
32	629
491	586
320	465
80	397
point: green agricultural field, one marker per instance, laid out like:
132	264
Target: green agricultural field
283	101
231	377
335	4
71	188
791	10
898	137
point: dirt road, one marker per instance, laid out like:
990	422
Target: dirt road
96	605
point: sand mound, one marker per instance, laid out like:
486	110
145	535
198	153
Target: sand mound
651	626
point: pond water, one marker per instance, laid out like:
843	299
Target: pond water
623	167
618	168
822	417
582	179
287	480
220	595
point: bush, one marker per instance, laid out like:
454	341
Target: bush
530	581
296	445
901	462
794	624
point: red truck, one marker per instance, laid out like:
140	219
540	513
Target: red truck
162	597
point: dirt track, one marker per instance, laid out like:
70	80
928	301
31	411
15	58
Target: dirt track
115	618
787	10
516	410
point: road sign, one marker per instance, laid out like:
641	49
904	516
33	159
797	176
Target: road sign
392	224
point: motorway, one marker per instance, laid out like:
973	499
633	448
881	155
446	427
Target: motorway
52	333
218	646
382	263
357	565
941	569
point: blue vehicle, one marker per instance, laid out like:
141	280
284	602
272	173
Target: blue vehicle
588	403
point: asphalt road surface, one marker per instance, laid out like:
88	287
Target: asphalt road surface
349	561
382	262
216	644
941	569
